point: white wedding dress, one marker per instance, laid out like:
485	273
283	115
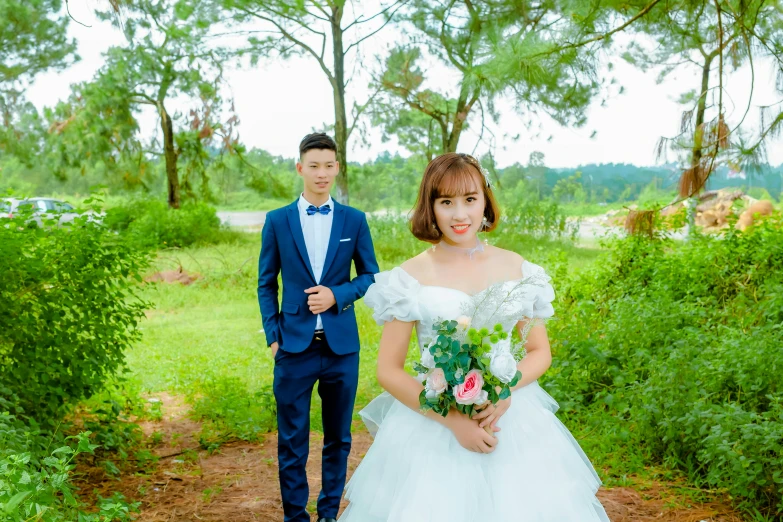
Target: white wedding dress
416	471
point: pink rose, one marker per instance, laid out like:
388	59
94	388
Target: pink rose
469	392
463	322
436	383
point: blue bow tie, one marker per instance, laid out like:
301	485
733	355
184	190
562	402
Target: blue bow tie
312	209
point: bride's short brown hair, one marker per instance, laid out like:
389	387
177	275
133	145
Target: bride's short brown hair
450	175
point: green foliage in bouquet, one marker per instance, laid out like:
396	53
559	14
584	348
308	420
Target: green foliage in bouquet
458	351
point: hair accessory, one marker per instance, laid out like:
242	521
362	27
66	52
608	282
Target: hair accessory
473	161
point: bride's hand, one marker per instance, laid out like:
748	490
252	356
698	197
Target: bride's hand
469	434
489	414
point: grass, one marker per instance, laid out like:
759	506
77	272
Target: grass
206	341
249	200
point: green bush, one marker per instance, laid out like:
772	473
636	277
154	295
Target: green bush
392	239
38	488
682	343
230	411
69	311
536	218
149	223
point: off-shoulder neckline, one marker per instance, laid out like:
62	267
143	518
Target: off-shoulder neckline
490	287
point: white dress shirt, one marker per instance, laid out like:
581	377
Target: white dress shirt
317	229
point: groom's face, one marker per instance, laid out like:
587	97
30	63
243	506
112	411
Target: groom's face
318	168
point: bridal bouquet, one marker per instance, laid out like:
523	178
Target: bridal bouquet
473	359
464	367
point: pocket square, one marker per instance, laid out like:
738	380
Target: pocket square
344	240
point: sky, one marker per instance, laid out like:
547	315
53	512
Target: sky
278	102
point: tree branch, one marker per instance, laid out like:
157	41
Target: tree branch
358	42
359	19
361	109
622	27
295	20
298	42
147	100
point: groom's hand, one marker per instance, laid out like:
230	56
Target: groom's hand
274	347
320	300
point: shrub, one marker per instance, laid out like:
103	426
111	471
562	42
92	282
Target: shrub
392	238
536	218
69	311
151	224
33	489
682	341
230	411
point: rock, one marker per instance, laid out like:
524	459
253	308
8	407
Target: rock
753	213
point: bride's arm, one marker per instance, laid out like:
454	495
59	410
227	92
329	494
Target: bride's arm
536	362
403	387
391	373
538	357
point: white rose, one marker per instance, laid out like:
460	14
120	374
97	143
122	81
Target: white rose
503	366
436	383
463	322
427	359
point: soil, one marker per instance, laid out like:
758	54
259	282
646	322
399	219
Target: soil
238	483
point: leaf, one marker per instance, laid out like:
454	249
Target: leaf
11	506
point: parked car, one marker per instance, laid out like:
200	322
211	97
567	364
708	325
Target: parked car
7	207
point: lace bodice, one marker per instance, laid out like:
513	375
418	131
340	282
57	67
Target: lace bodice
397	295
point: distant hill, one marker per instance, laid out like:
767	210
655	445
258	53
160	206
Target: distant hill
621	181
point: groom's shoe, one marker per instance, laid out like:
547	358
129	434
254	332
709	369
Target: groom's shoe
327	520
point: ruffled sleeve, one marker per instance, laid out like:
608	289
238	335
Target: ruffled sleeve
394	295
541	292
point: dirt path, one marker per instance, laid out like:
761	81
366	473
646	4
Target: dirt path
239	482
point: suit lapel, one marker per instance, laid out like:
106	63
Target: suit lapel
296	232
334	237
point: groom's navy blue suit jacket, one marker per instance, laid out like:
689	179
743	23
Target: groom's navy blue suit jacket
283	250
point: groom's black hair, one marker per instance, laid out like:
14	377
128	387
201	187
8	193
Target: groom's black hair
316	140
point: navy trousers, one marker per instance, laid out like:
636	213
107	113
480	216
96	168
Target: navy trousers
295	377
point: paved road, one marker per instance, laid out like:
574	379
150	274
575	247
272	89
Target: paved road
254	220
243	219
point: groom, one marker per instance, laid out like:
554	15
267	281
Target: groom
313	333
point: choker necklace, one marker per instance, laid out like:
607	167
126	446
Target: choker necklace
461	250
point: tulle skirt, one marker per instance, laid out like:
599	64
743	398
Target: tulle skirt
416	471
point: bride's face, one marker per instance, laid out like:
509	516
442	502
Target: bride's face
459	217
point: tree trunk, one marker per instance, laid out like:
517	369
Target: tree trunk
444	136
171	156
698	142
698	133
340	118
460	117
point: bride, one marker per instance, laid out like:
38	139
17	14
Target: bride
423	467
